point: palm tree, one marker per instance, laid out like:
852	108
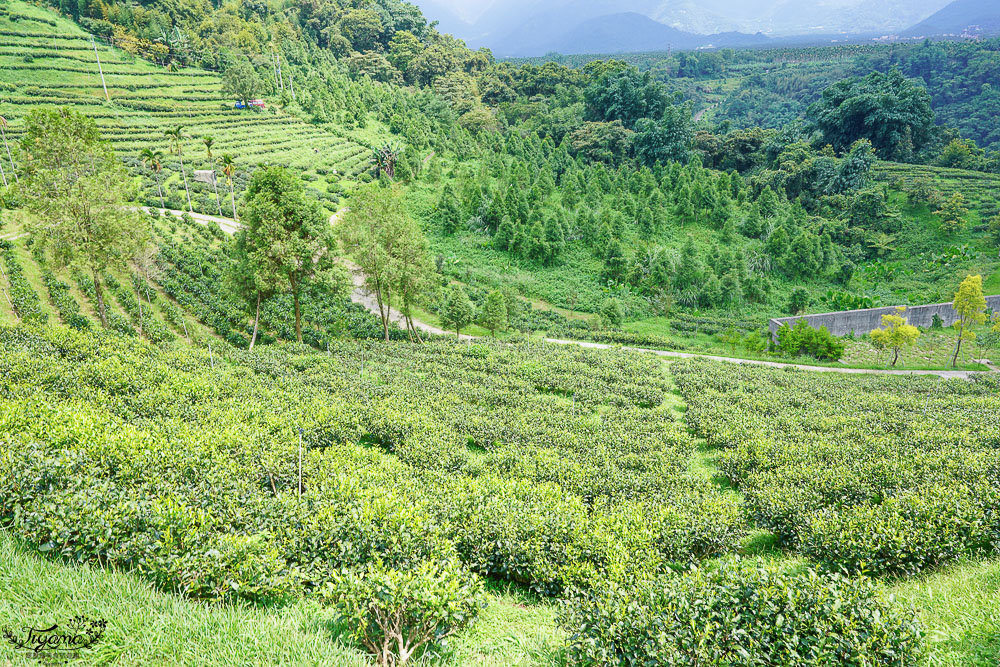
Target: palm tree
3	133
384	160
208	141
154	160
229	169
175	136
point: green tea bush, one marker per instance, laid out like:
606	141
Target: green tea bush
394	613
27	305
876	475
907	534
742	614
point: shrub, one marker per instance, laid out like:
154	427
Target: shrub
395	613
611	313
798	300
742	614
802	339
903	535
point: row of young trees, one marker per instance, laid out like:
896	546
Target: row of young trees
152	159
81	195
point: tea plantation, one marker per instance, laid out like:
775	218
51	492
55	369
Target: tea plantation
442	465
470	481
46	59
180	471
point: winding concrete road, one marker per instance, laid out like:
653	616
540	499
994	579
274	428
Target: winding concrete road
361	296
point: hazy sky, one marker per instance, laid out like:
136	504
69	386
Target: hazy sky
467	9
483	22
470	10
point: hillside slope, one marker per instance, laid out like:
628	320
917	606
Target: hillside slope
47	60
980	17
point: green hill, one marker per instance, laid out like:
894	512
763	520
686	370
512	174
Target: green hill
582	202
49	60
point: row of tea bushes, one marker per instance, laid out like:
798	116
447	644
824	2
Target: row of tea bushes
879	475
742	614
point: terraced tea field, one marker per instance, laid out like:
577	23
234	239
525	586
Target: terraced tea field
979	188
180	300
46	60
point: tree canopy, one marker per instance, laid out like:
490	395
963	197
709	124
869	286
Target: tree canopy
891	111
389	248
287	241
78	190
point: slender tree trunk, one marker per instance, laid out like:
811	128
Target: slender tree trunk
218	202
383	310
298	316
3	176
184	174
13	169
139	300
896	357
99	292
382	314
232	198
416	332
160	190
388	315
256	321
954	360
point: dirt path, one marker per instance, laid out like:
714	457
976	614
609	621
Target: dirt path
361	296
702	112
961	375
228	225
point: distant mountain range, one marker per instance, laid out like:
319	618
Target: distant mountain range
977	17
536	27
614	33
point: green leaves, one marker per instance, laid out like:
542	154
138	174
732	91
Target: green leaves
394	613
742	614
881	476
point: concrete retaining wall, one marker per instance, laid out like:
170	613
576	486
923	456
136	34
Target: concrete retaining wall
863	322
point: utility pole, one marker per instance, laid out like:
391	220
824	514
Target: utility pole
281	79
215	186
100	69
274	66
